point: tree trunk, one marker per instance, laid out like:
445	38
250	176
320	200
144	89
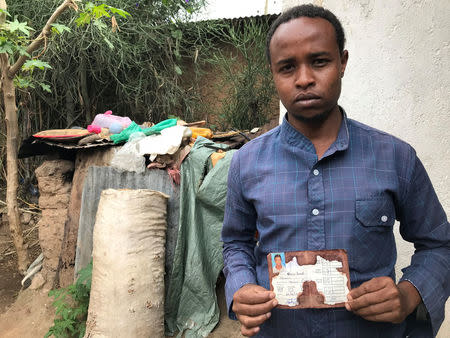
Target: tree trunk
12	132
12	128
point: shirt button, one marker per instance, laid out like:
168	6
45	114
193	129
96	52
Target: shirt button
315	212
316	172
384	218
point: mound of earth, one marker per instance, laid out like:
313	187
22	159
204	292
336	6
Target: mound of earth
30	316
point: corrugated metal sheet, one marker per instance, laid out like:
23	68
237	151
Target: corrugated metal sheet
100	178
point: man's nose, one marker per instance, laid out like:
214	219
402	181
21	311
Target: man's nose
304	77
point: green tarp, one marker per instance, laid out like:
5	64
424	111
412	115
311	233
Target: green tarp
191	302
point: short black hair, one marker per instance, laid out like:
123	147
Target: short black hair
277	255
310	11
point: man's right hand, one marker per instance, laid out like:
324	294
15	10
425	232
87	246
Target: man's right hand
252	305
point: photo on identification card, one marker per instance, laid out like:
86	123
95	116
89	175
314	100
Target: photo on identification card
309	279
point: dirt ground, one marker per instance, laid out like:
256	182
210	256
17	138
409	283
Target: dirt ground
32	315
29	313
22	313
29	317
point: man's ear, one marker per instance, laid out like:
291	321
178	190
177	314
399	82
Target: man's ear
344	59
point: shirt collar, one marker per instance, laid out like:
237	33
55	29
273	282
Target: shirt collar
293	137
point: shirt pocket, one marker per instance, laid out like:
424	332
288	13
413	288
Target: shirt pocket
376	214
372	246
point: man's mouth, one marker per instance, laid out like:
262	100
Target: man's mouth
307	99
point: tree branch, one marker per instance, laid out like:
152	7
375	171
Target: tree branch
36	43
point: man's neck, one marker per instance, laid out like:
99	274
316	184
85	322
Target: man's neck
322	135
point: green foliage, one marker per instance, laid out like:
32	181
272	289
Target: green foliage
14	36
71	306
92	12
59	29
249	89
153	67
29	65
16	26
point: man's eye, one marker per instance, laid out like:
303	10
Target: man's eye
320	62
286	68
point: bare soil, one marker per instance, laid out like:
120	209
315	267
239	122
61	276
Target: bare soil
29	317
9	281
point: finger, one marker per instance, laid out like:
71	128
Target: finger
254	309
372	285
373	298
251	322
378	309
249	332
254	296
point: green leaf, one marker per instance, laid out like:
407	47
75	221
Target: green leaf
21	82
22	51
118	11
7	47
83	19
31	64
45	87
89	6
178	70
58	28
20	26
100	11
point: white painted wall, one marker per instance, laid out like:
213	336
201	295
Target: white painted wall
220	9
398	80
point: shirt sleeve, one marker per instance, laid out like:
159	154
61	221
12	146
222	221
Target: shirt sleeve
238	236
423	222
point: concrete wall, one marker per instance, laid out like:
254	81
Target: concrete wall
398	80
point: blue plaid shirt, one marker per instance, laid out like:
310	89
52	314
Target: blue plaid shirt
349	199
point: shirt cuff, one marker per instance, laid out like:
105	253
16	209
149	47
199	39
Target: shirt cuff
233	283
431	293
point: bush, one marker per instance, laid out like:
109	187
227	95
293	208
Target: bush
71	306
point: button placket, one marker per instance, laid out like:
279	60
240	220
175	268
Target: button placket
316	219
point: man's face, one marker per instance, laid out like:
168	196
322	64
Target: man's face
307	68
278	262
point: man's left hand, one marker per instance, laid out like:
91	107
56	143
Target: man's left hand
381	300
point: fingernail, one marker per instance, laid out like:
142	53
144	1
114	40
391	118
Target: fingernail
268	314
275	302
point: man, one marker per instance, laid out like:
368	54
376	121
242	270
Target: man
278	265
323	181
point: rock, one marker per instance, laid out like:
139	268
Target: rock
25	218
38	281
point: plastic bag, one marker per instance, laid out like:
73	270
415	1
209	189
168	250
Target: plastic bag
128	157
